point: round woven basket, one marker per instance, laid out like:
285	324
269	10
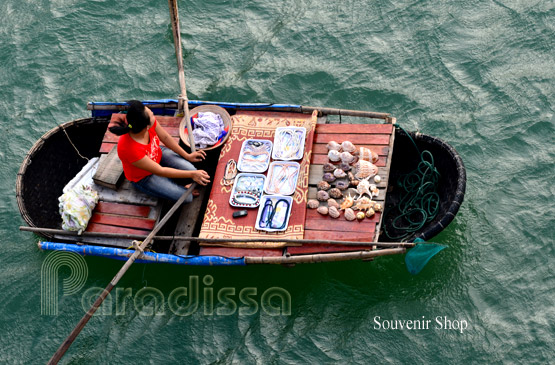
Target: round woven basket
183	134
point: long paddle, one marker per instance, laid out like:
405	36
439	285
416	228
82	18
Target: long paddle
184	105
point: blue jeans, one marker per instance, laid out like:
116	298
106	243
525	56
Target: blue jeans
164	187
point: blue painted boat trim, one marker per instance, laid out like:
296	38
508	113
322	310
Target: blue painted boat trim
146	258
163	111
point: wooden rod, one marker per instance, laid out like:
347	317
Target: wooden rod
183	104
302	109
324	257
346	112
69	340
218	240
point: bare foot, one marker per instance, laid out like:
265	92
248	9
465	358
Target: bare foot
195	191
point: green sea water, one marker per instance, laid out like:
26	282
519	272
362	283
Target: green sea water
478	74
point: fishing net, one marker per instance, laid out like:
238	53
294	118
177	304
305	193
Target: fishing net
418	256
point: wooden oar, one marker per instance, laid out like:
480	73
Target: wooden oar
139	249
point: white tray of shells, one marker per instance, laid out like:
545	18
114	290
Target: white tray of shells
282	177
289	143
255	155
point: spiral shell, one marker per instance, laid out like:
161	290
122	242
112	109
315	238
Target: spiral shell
352	179
333	212
348	146
342	184
370	213
378	207
322	195
335	193
323	185
323	210
328	176
377	179
365	169
338	173
347	202
312	204
328	167
360	216
350	214
334	155
346	157
333	146
333	203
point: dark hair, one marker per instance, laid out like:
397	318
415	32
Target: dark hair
137	119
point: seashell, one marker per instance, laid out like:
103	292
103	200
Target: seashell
377	179
312	204
328	167
361	216
335	193
345	166
332	145
333	203
378	207
342	184
323	185
352	179
370	213
366	154
347	202
334	155
333	212
348	146
365	169
363	203
322	195
350	214
364	188
374	189
323	210
346	157
339	173
328	176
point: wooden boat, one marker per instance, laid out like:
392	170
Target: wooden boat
59	155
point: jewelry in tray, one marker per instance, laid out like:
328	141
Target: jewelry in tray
273	213
255	155
282	177
289	143
230	172
247	190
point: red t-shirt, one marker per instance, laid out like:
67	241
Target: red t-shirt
130	151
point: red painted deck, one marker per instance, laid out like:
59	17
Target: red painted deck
121	218
378	138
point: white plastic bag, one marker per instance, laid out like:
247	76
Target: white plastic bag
76	206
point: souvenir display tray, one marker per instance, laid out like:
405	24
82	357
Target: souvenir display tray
282	177
247	190
255	155
273	213
289	143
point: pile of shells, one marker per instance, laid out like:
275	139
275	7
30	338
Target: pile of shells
349	167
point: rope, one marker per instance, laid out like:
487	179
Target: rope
419	202
69	139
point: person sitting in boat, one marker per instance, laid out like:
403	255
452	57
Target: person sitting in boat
149	166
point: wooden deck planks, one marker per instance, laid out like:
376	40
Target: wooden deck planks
377	137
